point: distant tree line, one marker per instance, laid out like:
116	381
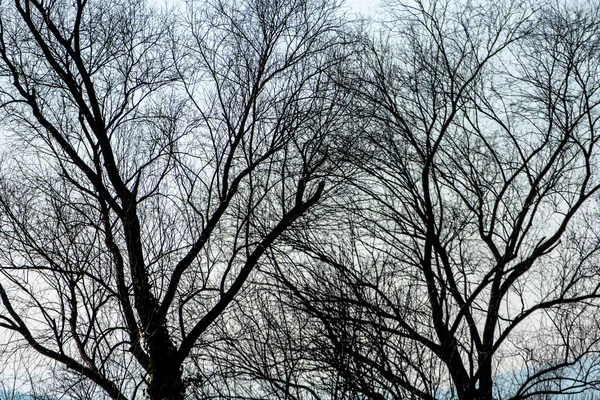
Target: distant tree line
276	199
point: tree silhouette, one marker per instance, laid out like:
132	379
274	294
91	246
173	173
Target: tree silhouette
152	158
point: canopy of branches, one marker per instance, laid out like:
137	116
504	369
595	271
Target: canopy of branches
277	199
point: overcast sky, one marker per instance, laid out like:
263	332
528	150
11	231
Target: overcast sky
362	5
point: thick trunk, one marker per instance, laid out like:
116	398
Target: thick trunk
480	390
165	381
164	365
484	389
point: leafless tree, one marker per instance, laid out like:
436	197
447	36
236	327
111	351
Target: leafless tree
151	160
464	264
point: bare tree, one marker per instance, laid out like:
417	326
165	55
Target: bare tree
151	161
464	264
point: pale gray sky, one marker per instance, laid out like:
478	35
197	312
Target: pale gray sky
363	6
